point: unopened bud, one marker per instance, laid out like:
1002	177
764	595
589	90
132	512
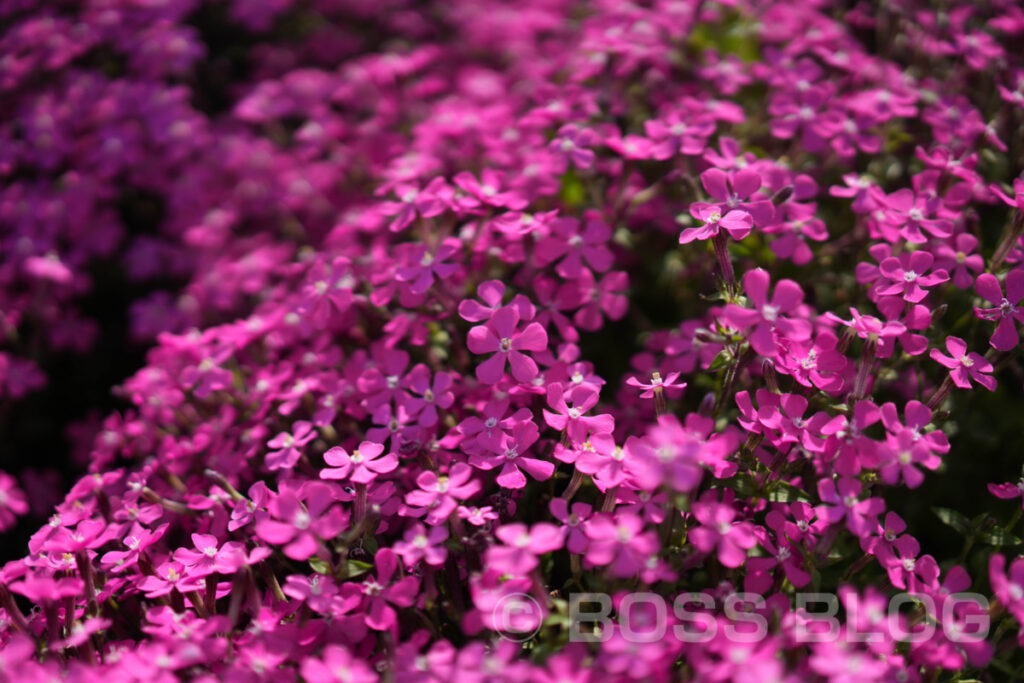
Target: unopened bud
782	195
707	404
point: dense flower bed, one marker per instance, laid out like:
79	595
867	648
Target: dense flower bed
458	310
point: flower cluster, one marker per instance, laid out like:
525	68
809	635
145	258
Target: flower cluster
457	305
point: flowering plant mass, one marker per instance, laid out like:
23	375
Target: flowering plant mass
429	323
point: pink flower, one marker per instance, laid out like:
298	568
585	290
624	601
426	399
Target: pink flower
287	445
437	496
1008	491
607	296
572	418
423	265
841	501
412	201
657	383
1017	200
1008	588
767	316
362	466
737	223
207	558
13	503
328	290
960	259
43	589
417	543
619	543
575	246
500	336
573	518
137	540
905	568
906	276
523	546
571	146
509	454
489	191
964	366
300	527
1007	311
735	190
169	575
380	592
719	529
873	330
337	665
908	214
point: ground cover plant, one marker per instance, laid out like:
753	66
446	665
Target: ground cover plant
499	341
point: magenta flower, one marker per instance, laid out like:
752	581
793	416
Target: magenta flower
287	446
1017	200
13	503
720	529
328	290
412	201
911	215
574	519
429	395
1008	491
523	546
299	521
907	570
767	316
420	544
657	383
380	593
736	190
168	576
906	276
500	336
607	296
437	496
873	330
735	222
901	455
841	500
960	259
619	543
572	419
207	558
784	555
42	589
1008	588
423	265
488	190
1008	310
362	466
137	540
571	147
509	454
964	366
572	243
679	134
337	665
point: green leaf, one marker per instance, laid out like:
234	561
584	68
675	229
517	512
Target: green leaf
355	568
572	193
721	360
998	537
954	519
784	492
319	566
